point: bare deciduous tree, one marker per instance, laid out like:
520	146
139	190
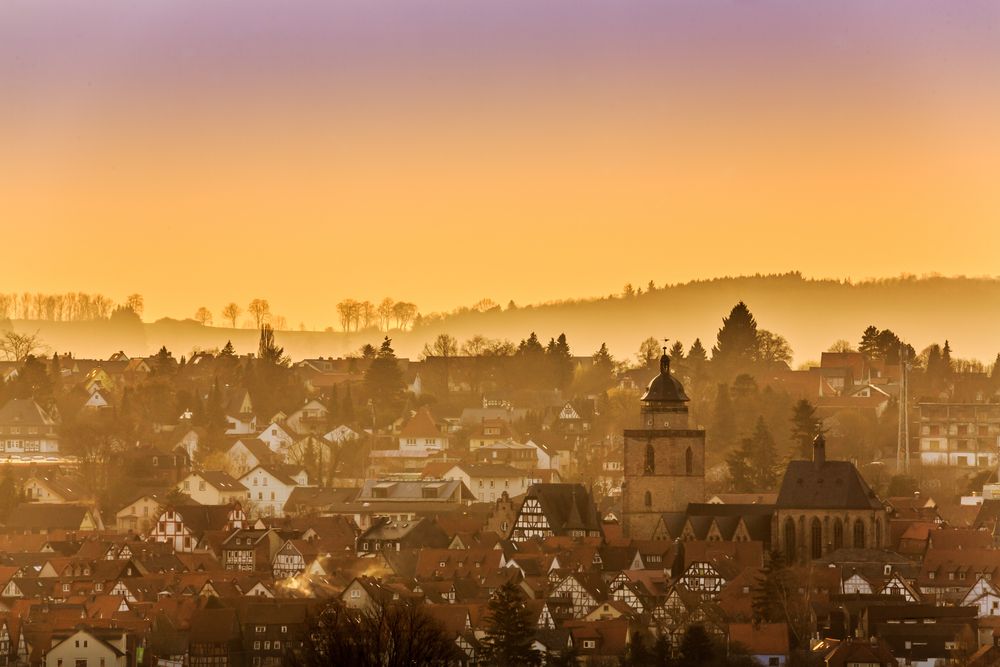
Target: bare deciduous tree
366	314
232	312
135	303
385	635
17	347
385	313
404	312
203	315
443	346
260	310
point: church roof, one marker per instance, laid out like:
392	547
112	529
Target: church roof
664	388
825	485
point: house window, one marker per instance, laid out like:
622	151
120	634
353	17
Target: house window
589	643
355	594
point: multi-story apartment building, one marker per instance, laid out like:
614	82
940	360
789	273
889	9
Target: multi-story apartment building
959	434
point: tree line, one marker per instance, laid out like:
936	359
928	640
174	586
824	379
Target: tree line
67	307
387	314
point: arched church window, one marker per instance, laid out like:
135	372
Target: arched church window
878	534
649	499
838	534
859	534
789	540
650	467
816	539
688	462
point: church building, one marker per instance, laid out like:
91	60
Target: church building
664	459
824	506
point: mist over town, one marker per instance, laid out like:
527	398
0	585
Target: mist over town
520	333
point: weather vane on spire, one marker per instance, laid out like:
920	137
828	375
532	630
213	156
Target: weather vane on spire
665	360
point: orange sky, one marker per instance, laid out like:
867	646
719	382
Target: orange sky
531	151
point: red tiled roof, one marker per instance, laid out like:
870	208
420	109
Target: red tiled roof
421	425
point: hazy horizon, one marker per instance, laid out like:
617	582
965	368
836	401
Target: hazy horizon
810	314
442	152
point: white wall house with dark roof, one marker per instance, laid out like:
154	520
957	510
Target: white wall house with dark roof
25	427
212	488
270	487
489	481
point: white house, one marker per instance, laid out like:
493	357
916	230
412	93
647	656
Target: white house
489	481
341	434
97	400
984	596
83	647
549	459
26	427
212	487
277	436
270	486
240	416
421	434
247	453
310	418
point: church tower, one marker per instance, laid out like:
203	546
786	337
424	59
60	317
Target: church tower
664	459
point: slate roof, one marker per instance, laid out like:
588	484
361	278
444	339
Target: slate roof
566	506
199	518
825	485
255	446
24	411
34	516
66	487
222	481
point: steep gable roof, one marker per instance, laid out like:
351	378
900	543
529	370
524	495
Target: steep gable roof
825	485
24	411
566	506
421	425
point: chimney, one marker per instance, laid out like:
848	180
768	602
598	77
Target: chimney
819	450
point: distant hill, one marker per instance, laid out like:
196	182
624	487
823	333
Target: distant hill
811	314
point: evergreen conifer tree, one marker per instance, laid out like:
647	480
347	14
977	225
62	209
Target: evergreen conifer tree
753	467
869	345
805	427
736	343
509	631
697	648
384	382
723	431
